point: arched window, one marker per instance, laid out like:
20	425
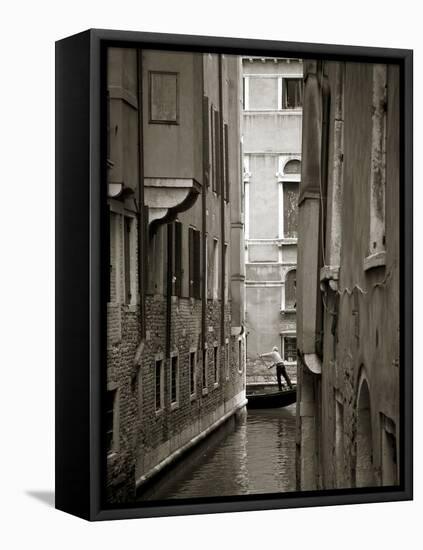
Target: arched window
290	209
290	289
292	167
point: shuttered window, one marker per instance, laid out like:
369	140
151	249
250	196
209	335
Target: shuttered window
159	397
216	364
174	375
204	369
127	258
175	242
192	366
194	237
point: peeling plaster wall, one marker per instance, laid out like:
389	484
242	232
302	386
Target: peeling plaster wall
361	317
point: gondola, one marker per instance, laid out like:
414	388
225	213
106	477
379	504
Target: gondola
265	397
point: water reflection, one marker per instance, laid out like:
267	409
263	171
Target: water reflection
251	454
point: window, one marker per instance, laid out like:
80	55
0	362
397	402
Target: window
290	289
204	370
215	269
129	258
175	243
290	349
157	273
194	264
111	417
262	93
292	93
164	100
227	359
290	210
192	369
240	362
244	95
174	379
216	363
159	394
226	281
246	179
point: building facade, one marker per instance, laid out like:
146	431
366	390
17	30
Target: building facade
176	342
272	97
348	285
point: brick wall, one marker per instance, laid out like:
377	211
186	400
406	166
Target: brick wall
158	432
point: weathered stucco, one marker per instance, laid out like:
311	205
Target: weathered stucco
350	411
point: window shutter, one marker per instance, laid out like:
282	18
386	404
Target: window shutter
191	261
144	263
177	261
127	259
206	141
226	160
213	147
218	152
197	265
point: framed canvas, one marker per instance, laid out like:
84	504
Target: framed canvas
233	274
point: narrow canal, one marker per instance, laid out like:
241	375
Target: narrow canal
250	454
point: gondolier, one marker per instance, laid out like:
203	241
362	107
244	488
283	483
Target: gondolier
280	367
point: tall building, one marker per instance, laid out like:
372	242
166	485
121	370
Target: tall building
176	344
348	428
272	95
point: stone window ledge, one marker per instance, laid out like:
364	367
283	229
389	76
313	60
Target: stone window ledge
374	260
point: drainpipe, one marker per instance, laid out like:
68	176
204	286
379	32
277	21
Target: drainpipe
142	224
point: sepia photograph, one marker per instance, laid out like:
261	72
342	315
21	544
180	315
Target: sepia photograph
253	308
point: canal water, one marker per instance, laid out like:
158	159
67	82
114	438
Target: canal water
252	453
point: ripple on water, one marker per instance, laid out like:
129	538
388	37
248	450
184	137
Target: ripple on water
251	455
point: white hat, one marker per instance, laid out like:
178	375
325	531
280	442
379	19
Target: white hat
275	348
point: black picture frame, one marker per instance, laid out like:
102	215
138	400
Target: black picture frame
80	281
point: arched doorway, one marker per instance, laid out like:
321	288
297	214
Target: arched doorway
364	473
